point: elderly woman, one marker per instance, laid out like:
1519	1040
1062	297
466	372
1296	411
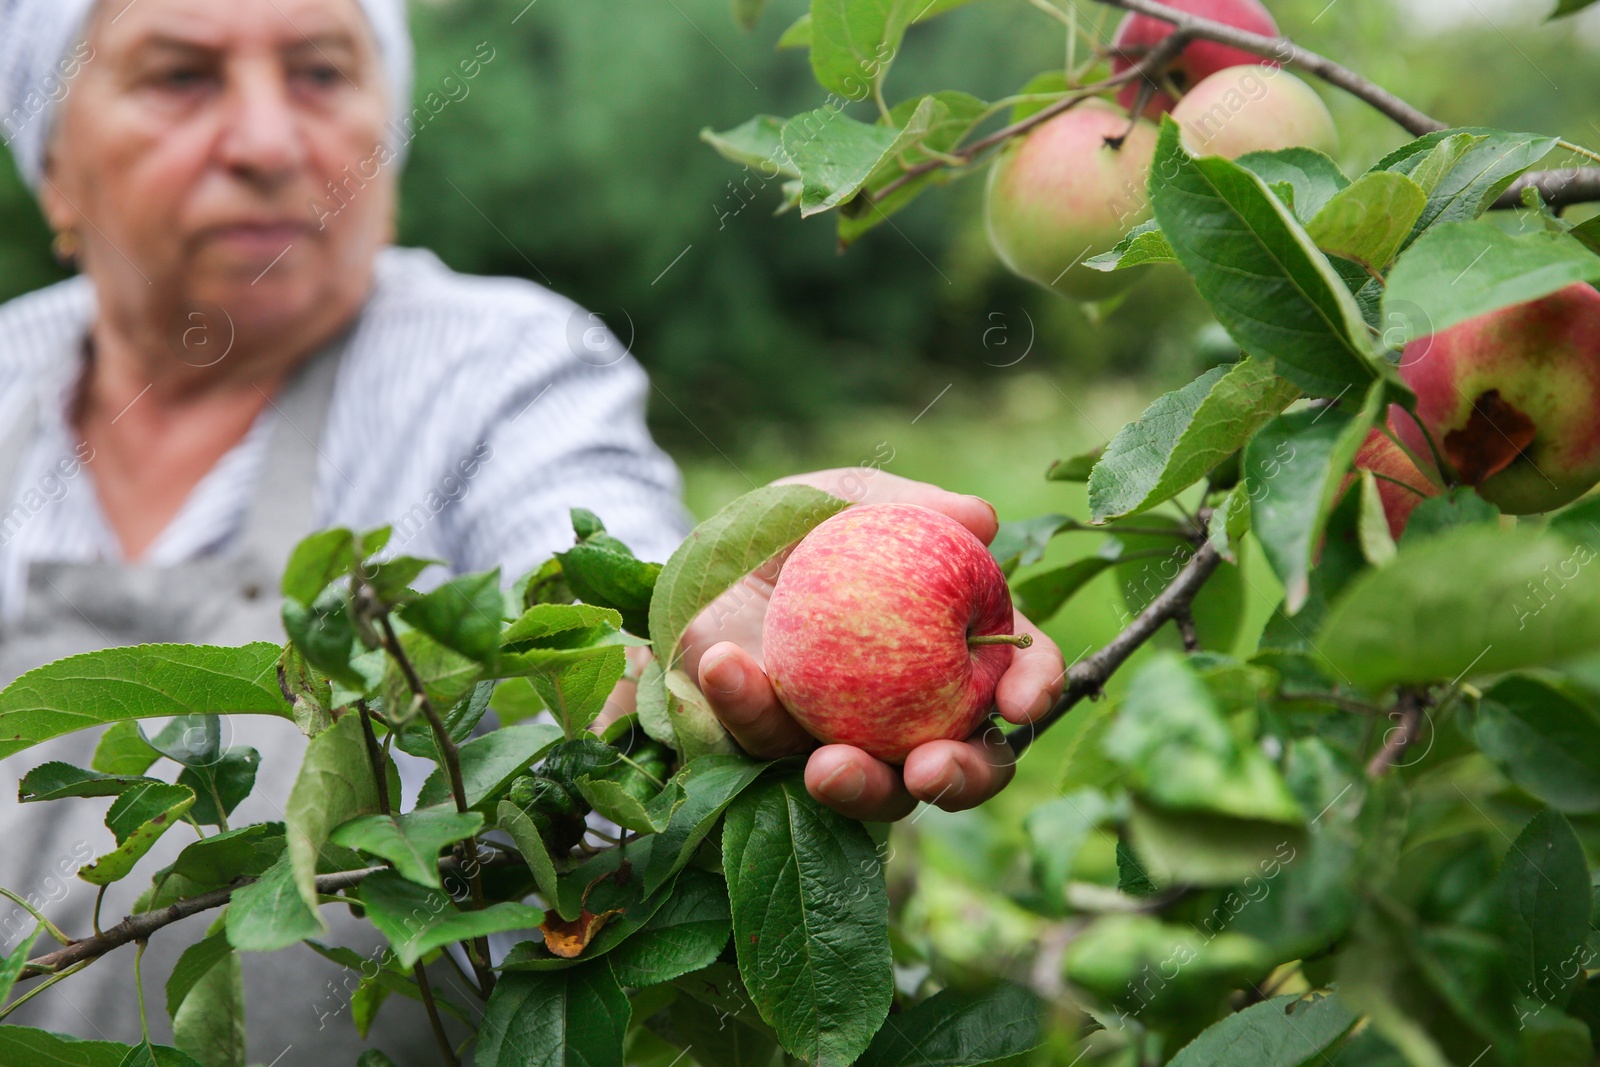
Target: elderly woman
238	365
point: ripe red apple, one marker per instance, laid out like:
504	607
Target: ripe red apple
1254	108
889	627
1061	195
1401	485
1199	59
1512	399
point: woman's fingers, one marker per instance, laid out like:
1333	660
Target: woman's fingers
739	692
852	782
869	485
956	775
1035	678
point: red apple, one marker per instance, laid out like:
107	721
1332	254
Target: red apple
1198	60
875	634
1254	108
1401	485
1062	194
1512	399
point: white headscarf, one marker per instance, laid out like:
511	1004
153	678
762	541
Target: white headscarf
40	53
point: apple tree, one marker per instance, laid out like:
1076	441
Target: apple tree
1365	839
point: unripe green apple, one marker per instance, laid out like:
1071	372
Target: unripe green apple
1512	399
1254	108
1062	194
1199	59
1401	485
889	627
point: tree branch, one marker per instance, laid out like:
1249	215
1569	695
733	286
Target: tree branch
1409	710
1088	677
1557	188
1290	54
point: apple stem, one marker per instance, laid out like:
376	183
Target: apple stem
1015	640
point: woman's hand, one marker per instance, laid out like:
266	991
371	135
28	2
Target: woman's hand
722	650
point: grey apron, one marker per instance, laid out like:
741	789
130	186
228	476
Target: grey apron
298	1005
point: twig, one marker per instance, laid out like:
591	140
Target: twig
445	1050
479	954
375	756
141	927
1186	629
1409	709
49	927
1557	188
1287	52
1087	677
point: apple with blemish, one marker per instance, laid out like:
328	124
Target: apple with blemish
1254	109
890	626
1067	191
1401	484
1512	400
1198	60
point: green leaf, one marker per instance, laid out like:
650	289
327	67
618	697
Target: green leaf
317	562
798	35
595	878
221	785
417	920
1545	736
1416	620
1293	470
194	964
148	1055
1285	1031
488	763
52	781
269	913
748	12
1075	468
559	626
1040	596
137	818
810	920
575	692
837	154
716	1036
1368	221
1543	888
612	579
447	676
1022	543
688	932
1178	752
325	634
1466	177
1453	508
757	143
525	835
27	1047
415	738
1183	435
1377	542
11	964
210	1023
1314	178
939	121
958	1027
707	786
618	805
137	682
1145	243
123	750
1460	270
1569	7
1055	832
853	41
576	1017
216	861
410	842
464	614
1262	276
335	784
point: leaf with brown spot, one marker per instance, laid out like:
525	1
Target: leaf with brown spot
569	939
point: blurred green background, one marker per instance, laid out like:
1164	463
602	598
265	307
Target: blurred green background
575	160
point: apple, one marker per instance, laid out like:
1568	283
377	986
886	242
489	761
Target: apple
1512	399
1254	108
1065	192
1401	485
1199	59
889	626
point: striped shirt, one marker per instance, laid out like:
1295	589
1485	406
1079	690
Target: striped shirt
470	413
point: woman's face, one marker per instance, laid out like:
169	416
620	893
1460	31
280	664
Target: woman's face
226	154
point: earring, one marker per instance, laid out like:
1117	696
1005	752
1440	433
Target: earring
65	248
